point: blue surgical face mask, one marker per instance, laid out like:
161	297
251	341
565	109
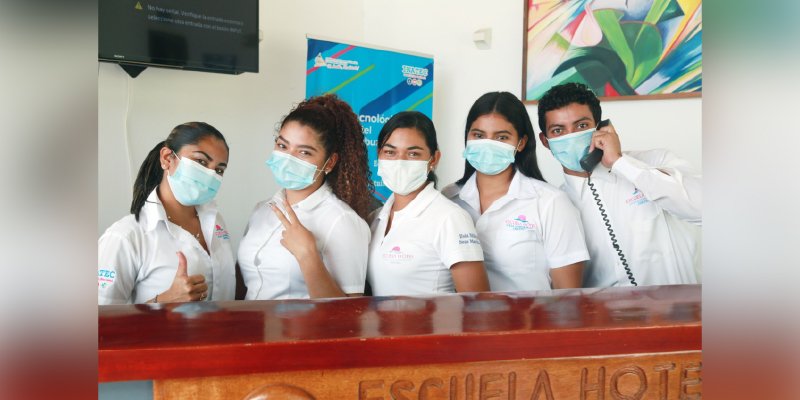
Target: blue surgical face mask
489	156
193	184
291	172
569	149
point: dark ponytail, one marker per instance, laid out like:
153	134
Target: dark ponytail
339	132
512	109
150	173
149	176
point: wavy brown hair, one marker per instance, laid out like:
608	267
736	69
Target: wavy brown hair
339	132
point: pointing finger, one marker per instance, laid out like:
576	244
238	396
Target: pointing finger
281	217
290	212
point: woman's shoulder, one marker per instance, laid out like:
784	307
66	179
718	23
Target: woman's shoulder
126	227
335	207
444	207
541	188
451	191
260	208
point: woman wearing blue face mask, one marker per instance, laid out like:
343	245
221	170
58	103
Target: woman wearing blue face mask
421	242
174	246
531	234
310	240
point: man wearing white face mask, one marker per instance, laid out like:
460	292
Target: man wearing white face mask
174	246
641	211
421	243
531	233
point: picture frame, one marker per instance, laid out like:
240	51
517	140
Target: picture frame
622	50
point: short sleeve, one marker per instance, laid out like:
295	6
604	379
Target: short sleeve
670	182
457	240
117	268
564	240
346	252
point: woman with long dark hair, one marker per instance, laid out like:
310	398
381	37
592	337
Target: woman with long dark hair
531	233
173	247
310	240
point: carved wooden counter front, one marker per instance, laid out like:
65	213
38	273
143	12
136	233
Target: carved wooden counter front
618	343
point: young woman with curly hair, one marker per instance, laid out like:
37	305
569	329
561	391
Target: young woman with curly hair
310	240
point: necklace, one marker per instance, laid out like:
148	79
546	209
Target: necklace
196	235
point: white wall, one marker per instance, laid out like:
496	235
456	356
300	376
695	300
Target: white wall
247	107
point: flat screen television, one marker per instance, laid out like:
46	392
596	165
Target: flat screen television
199	35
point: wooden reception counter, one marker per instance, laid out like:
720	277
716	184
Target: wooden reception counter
617	343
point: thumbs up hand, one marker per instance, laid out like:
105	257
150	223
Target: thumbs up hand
185	287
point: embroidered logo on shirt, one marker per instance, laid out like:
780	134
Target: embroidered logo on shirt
221	233
520	223
105	277
468	238
637	199
396	255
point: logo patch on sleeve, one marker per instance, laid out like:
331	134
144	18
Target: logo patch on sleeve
105	277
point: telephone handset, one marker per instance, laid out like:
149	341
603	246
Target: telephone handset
588	162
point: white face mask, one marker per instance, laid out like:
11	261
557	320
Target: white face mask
403	176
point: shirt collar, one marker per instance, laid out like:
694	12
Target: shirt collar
516	190
578	184
469	193
416	207
422	201
153	211
310	202
574	184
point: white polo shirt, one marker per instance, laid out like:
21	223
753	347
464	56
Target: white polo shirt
270	271
428	236
656	219
137	259
532	229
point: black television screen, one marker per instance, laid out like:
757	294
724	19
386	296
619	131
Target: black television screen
200	35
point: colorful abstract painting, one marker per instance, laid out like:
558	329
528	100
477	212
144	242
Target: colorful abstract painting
626	49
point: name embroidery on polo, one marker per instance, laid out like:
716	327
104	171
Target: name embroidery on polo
396	255
520	223
105	277
221	233
637	198
468	238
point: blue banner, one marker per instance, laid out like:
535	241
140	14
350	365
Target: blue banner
376	83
